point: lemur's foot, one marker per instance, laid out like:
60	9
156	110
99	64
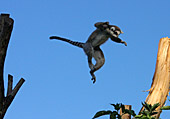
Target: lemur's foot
93	76
94	80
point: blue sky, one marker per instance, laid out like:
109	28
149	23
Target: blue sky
58	84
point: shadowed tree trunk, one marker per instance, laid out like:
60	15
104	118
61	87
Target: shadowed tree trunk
6	26
161	79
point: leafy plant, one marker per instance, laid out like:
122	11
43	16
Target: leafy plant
148	112
115	114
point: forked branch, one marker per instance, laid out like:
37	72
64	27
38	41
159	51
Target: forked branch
6	26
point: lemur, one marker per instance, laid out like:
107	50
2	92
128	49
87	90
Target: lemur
91	47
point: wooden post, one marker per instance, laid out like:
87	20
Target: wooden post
161	80
126	116
6	26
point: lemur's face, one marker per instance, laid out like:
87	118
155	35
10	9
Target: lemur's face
115	31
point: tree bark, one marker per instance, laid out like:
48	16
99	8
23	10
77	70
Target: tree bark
6	26
161	80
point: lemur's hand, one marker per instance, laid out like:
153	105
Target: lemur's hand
124	43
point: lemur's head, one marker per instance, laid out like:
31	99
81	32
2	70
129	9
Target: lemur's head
110	29
115	30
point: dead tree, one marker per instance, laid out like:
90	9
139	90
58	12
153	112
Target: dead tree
6	26
161	80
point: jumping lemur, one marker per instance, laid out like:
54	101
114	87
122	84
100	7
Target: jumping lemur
91	47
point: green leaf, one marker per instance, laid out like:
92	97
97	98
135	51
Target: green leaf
154	118
117	106
144	105
138	116
153	113
144	117
131	112
165	108
113	105
145	113
115	112
101	113
113	116
122	107
147	106
119	117
154	106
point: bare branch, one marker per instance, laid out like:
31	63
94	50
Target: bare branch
10	83
17	87
6	26
8	100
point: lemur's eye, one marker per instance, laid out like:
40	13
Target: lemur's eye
112	28
116	33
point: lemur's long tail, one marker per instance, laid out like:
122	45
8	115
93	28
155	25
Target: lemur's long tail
78	44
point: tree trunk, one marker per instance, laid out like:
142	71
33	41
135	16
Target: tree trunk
6	26
161	79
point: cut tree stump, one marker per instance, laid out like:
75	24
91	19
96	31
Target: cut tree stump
6	26
161	80
126	116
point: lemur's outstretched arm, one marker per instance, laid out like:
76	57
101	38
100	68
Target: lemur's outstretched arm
118	40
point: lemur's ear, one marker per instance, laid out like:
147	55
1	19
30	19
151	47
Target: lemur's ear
107	23
98	24
101	25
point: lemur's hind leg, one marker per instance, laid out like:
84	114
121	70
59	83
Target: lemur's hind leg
91	66
89	50
100	60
